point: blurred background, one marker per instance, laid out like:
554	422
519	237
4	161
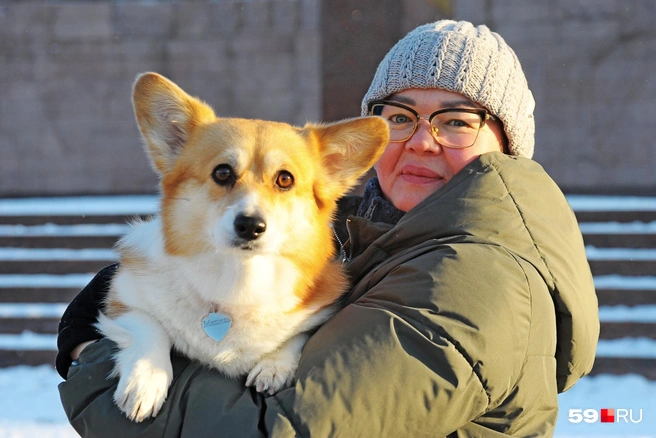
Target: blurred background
66	69
72	169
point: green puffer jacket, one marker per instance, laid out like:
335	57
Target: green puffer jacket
466	319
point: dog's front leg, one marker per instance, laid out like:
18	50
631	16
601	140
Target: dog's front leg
143	363
276	370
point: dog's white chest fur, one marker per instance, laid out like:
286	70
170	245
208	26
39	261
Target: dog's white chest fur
249	205
168	297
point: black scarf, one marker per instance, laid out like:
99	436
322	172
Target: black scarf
375	207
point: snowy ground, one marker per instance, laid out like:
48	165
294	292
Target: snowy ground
30	407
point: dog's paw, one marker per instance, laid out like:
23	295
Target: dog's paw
271	375
142	390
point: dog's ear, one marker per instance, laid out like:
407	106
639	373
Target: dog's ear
166	116
348	149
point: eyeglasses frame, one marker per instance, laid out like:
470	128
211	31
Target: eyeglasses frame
484	114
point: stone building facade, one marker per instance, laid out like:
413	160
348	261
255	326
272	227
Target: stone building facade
66	69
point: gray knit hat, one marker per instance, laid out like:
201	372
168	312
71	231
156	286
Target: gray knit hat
472	61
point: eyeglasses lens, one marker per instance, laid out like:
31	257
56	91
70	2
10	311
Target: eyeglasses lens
452	128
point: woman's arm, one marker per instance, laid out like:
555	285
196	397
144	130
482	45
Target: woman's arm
77	323
418	355
201	402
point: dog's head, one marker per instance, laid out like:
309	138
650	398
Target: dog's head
248	186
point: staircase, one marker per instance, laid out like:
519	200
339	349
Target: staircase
620	238
50	249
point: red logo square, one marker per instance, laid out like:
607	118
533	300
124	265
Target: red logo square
608	415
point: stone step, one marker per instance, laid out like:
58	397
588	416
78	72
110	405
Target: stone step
581	216
617	297
623	267
621	365
11	358
56	267
70	219
615	216
85	263
618	330
606	297
620	240
38	295
71	242
640	237
15	326
78	242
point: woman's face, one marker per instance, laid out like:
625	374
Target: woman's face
410	171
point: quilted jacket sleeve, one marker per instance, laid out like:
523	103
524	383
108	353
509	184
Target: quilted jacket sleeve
433	344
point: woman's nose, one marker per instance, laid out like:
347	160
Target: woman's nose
423	140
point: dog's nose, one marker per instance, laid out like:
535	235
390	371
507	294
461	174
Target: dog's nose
249	227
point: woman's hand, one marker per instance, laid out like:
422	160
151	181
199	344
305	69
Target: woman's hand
77	350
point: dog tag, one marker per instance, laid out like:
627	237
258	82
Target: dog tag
216	325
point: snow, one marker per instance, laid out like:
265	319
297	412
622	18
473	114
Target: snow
30	405
32	310
28	341
618	227
80	205
50	229
45	280
148	204
609	392
644	348
642	254
625	282
643	314
611	203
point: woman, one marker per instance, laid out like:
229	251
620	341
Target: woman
472	303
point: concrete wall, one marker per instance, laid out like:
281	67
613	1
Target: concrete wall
591	65
66	124
66	70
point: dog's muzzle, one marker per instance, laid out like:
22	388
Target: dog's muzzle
249	228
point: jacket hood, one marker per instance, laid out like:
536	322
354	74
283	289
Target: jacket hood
512	202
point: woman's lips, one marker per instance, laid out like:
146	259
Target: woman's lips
419	175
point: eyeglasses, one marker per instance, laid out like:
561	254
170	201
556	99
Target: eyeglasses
451	127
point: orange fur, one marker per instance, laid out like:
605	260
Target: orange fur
314	155
192	258
115	308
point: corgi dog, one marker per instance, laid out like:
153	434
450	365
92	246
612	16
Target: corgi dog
239	263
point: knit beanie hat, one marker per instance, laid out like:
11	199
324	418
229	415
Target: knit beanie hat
472	61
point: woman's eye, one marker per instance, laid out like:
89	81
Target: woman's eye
399	118
458	120
458	123
285	180
224	175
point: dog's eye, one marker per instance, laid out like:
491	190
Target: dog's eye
285	180
223	175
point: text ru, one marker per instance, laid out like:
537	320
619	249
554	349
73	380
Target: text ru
605	415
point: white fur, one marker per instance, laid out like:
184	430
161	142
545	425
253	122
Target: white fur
169	299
